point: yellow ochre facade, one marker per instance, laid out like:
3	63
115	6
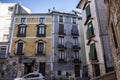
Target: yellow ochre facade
31	42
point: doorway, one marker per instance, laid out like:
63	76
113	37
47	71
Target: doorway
77	70
42	68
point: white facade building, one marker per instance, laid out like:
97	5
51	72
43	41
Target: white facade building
7	10
97	46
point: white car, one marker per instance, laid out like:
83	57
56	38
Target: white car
31	76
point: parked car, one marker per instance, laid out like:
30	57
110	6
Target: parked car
31	76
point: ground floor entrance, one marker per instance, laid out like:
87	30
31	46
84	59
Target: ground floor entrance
77	70
42	68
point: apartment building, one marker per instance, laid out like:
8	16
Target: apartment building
31	42
66	48
7	10
98	52
48	43
113	11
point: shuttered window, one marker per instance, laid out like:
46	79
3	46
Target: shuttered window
90	30
88	13
92	54
61	29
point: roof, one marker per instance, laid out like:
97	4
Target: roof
79	4
45	14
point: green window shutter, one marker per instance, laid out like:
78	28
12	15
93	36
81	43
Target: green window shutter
90	31
88	13
92	52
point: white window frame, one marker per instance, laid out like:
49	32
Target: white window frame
76	55
74	19
23	20
4	46
62	54
59	18
75	41
43	21
61	40
41	30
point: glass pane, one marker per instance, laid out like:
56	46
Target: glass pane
20	48
42	30
88	11
42	20
92	51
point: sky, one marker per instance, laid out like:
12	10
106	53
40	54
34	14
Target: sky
42	6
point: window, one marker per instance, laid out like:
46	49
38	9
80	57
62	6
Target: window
74	20
60	18
61	29
40	48
41	31
93	53
20	48
75	30
88	13
90	31
61	40
42	20
76	55
5	37
23	20
62	55
2	51
59	73
21	31
10	9
75	41
96	70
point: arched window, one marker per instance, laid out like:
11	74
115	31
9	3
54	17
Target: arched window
19	47
40	47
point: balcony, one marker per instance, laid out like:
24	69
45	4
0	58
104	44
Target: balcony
76	61
21	35
76	47
41	53
62	61
40	35
61	46
74	33
19	53
62	33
